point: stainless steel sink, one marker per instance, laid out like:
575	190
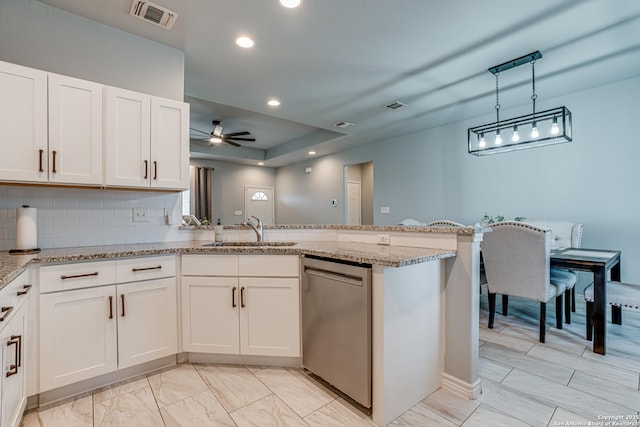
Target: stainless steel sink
249	244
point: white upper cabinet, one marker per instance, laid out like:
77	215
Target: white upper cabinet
75	131
23	124
147	141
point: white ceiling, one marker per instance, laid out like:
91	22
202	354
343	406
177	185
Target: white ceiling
344	60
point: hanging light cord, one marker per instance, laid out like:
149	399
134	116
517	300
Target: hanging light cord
497	102
533	87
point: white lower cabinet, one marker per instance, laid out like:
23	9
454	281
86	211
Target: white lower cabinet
93	331
13	381
230	313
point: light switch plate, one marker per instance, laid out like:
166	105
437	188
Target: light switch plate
383	239
238	213
385	209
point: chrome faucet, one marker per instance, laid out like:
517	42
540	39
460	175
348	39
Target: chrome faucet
257	228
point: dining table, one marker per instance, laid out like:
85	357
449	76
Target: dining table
599	262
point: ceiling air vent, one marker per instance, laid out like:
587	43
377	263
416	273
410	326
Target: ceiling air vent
343	125
153	13
396	105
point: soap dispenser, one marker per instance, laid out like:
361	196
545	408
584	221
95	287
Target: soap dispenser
218	230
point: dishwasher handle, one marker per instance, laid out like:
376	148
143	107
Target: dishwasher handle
330	275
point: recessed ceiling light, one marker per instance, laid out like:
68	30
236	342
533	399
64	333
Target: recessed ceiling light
273	102
245	42
290	3
312	152
260	163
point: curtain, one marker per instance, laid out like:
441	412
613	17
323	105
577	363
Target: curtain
201	192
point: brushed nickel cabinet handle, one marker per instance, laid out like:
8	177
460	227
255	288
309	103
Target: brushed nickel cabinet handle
110	307
24	291
155	170
54	161
242	296
158	267
5	313
146	169
40	167
233	297
77	276
122	300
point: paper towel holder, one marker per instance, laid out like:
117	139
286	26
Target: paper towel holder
24	251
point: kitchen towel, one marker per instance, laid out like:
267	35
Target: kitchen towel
26	228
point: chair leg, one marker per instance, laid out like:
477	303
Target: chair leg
543	320
559	311
616	315
589	320
567	306
573	299
505	305
492	308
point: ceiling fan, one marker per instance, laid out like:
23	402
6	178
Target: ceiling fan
216	136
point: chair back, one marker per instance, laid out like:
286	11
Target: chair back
516	260
444	223
564	234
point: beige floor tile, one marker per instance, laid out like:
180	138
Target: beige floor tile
524	362
492	370
515	404
615	358
338	414
298	392
233	386
516	344
77	413
175	384
625	396
568	398
564	418
422	416
554	338
487	416
136	408
202	410
115	390
266	412
450	406
608	372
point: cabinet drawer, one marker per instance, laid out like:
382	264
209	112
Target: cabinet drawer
157	267
76	276
13	294
210	265
269	265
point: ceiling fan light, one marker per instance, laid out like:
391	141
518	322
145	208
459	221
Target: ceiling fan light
215	139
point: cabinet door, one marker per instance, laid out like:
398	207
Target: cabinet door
77	336
23	123
170	144
147	321
127	138
210	314
75	131
270	316
13	342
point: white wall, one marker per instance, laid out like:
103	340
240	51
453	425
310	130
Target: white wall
40	36
430	175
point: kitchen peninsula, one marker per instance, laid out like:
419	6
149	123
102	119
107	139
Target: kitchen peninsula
424	296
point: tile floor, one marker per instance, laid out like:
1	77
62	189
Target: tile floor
524	383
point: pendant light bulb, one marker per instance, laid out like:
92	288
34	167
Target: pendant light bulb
482	142
554	127
516	136
498	138
534	130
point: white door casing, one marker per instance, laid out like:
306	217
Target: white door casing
354	203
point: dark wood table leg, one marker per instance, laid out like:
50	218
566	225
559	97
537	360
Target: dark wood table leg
599	311
616	311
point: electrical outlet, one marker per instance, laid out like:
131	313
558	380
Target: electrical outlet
140	215
383	239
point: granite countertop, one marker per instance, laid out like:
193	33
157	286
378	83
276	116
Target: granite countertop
387	228
392	256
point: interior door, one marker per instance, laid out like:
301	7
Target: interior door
258	202
354	203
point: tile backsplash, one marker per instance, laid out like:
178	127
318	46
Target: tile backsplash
87	217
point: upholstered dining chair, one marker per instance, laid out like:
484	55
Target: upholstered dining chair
618	295
516	261
444	223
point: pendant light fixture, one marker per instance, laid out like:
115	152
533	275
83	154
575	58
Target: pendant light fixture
537	129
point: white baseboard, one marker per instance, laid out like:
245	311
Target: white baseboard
461	388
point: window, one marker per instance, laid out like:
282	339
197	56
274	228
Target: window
259	195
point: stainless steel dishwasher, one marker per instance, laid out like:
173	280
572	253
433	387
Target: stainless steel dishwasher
336	325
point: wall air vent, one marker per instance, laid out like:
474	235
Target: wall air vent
343	125
153	13
396	105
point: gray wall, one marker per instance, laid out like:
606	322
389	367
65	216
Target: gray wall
40	36
227	187
430	175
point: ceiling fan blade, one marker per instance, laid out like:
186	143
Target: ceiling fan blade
235	144
243	139
197	130
198	138
237	133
